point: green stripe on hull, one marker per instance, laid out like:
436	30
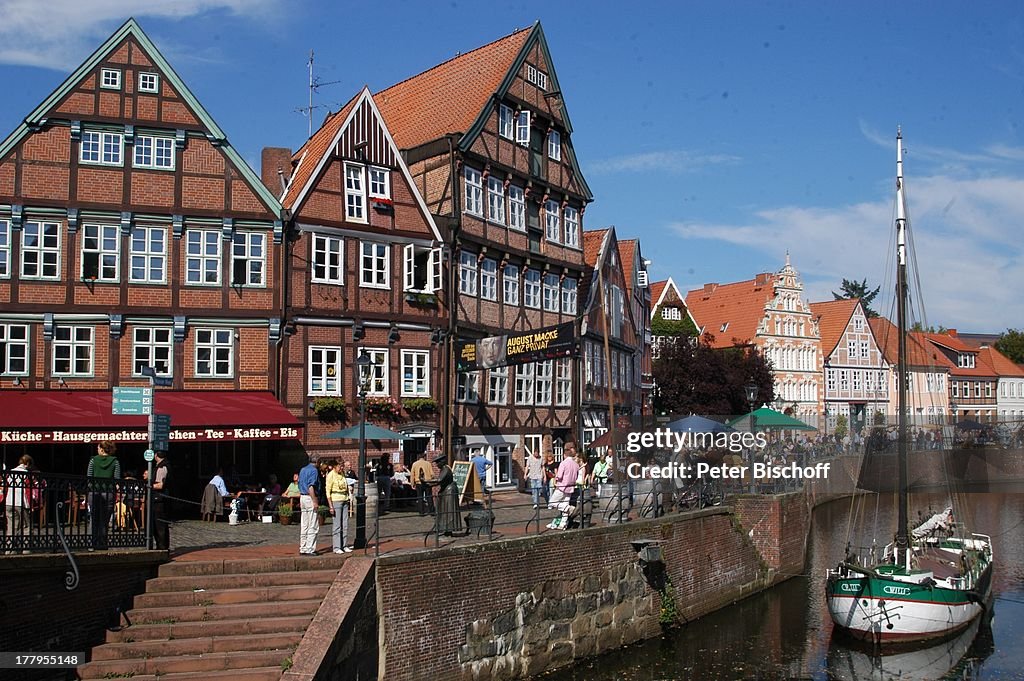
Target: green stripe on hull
871	587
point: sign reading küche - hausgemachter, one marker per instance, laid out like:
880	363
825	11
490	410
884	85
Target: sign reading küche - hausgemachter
515	348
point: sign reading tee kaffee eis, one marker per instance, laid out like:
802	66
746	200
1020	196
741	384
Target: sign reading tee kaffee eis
57	436
516	348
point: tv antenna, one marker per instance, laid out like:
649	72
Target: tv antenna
314	86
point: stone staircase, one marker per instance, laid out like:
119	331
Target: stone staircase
224	619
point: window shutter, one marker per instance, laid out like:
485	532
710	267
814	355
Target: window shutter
410	268
435	270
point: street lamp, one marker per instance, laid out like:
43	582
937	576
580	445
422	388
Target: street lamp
363	364
751	393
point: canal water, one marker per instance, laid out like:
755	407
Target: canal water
786	633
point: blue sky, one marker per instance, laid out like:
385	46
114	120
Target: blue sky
722	133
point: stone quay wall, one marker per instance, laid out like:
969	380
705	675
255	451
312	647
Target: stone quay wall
522	606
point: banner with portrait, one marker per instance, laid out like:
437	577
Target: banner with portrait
515	348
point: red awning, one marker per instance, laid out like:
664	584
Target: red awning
68	416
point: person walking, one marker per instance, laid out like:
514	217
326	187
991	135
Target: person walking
481	463
17	501
385	471
535	476
422	474
309	504
338	501
161	524
565	485
104	468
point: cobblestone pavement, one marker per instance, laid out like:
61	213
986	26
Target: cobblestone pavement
401	529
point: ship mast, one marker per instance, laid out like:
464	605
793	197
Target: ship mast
902	537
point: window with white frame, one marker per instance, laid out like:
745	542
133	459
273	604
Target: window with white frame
563	382
554	145
495	200
110	79
380	182
510	284
988	389
856	379
152	347
215	352
148	255
101	148
551	290
569	296
72	350
844	379
977	388
355	198
523	127
40	250
489	279
506	121
5	248
851	348
524	384
375	376
543	377
328	259
101	252
149	82
955	388
474	191
516	208
467	273
536	76
154	152
248	259
422	269
965	360
671	313
374	265
202	256
572	227
553	221
830	379
863	349
324	370
415	373
535	443
14	349
531	289
497	385
466	389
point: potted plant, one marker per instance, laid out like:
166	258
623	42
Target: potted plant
284	512
330	408
420	405
386	407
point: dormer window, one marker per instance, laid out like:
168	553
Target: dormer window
110	79
965	360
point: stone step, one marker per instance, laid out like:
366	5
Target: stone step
186	568
184	630
197	613
240	581
197	646
269	594
253	674
159	666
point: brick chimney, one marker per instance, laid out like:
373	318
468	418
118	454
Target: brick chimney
951	332
273	160
710	288
762	279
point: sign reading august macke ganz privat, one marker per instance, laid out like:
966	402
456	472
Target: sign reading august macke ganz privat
133	435
514	349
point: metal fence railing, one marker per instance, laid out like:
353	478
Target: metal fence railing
49	512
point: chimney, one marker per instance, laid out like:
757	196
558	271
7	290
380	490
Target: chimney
710	288
275	164
762	279
951	332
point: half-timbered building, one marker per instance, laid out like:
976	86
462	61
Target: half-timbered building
134	238
365	276
488	140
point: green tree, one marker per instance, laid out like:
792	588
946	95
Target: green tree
918	326
672	327
858	289
692	377
1011	344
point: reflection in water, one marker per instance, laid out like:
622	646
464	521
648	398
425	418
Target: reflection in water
786	633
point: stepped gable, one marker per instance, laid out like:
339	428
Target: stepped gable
833	318
127	81
728	314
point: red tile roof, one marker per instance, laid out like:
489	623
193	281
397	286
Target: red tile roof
657	288
448	97
833	318
309	155
627	251
1000	363
919	351
982	365
593	239
728	314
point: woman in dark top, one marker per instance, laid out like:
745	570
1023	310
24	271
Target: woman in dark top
448	519
385	470
550	471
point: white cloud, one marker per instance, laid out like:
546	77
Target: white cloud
59	34
672	161
966	236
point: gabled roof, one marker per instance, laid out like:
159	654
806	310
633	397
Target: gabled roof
627	253
593	242
728	314
132	29
833	318
919	352
457	96
950	341
1000	363
660	290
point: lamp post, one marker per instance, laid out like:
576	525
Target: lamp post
363	363
751	393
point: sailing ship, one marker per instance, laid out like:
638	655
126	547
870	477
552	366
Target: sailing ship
930	582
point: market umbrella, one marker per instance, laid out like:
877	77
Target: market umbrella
969	424
766	418
606	439
698	424
372	433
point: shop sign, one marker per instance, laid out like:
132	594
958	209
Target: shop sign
46	437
